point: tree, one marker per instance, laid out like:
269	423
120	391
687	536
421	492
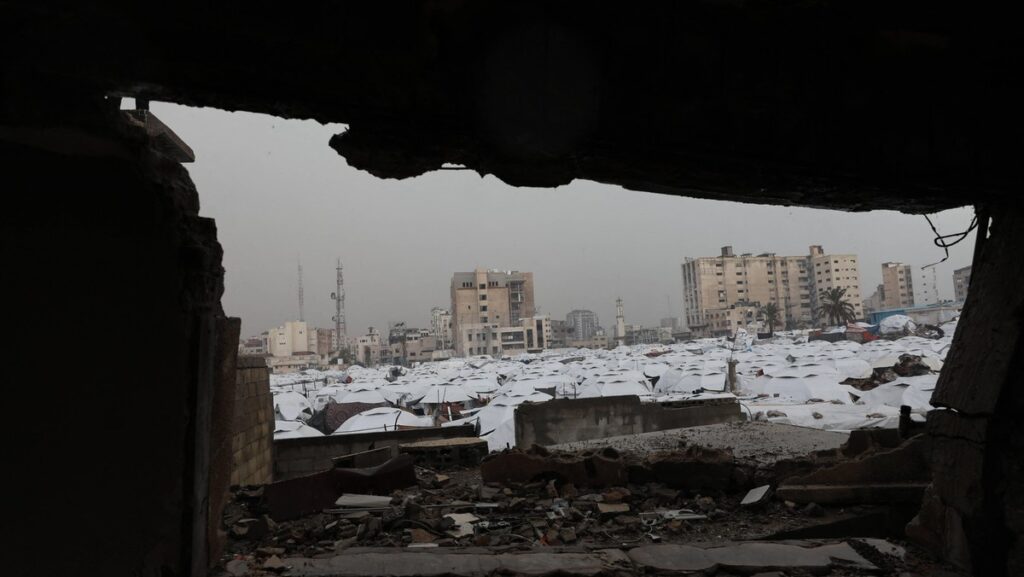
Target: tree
770	312
835	306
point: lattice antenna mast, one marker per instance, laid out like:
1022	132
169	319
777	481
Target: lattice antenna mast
339	305
302	303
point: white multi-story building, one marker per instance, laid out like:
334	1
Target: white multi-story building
288	340
714	288
581	324
441	327
926	288
531	335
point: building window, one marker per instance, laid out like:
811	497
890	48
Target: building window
483	308
483	319
483	297
482	286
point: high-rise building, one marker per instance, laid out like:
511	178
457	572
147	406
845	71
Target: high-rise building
831	271
714	288
961	280
876	301
488	298
441	327
560	334
926	289
898	280
582	324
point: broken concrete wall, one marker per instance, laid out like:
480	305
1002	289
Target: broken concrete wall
569	420
221	433
299	457
103	245
973	514
252	444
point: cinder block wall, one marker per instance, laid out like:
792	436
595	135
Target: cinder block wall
305	456
253	442
569	420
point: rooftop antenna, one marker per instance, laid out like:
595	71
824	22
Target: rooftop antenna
302	316
339	306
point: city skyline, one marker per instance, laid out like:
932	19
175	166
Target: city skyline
279	194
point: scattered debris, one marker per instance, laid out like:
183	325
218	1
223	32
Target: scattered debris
358	501
603	468
300	496
756	496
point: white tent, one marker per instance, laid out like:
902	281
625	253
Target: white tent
294	430
291	406
381	419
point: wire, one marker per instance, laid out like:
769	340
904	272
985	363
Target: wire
941	242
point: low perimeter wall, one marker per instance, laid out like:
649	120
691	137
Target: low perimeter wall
298	457
570	420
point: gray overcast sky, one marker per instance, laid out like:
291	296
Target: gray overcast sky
278	192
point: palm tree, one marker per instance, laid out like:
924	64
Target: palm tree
835	306
770	312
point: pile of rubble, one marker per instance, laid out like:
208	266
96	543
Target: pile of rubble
907	366
584	500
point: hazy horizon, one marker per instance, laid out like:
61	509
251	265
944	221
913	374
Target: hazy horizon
279	194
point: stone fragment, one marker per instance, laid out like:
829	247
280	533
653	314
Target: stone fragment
421	536
612	508
462	524
237	567
756	496
628	520
813	510
274	563
358	501
706	504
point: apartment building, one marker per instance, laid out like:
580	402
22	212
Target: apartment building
529	336
875	302
582	324
488	298
714	287
961	280
829	271
898	280
292	338
441	327
597	341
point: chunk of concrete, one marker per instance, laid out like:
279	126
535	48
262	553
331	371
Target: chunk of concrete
675	558
612	508
749	557
358	501
435	562
463	524
756	496
603	468
865	494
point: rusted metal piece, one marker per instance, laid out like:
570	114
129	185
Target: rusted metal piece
294	498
